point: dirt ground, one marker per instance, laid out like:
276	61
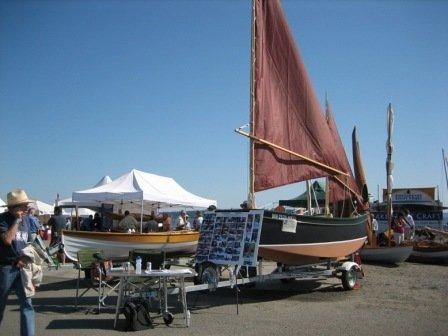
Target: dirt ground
410	299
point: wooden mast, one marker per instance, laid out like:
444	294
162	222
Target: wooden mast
251	195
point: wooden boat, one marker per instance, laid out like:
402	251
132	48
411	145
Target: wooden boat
117	245
316	238
292	140
385	254
431	246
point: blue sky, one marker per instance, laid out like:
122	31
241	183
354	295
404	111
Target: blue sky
94	88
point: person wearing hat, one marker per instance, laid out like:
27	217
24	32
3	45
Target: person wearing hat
14	236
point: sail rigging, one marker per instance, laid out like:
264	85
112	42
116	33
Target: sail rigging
285	110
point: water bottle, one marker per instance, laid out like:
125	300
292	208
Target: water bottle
138	265
188	318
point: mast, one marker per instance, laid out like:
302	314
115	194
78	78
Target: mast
251	195
445	164
389	164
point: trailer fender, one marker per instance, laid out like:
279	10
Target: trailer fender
349	265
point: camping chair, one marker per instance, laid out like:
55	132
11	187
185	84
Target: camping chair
92	262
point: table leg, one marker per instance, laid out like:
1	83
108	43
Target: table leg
119	301
184	300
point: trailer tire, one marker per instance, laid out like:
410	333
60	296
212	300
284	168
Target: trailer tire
349	278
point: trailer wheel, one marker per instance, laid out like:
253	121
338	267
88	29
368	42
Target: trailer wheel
349	278
168	318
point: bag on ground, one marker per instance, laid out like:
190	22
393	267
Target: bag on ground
136	312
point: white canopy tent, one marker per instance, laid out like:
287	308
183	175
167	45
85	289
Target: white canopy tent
2	206
142	191
82	206
44	208
137	186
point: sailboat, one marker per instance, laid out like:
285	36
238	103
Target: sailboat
372	252
291	141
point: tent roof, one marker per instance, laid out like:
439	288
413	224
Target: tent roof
133	187
105	180
301	200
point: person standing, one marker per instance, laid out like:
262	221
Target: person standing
411	225
57	224
14	236
399	226
97	223
197	222
32	221
374	229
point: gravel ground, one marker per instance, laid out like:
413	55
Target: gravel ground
410	299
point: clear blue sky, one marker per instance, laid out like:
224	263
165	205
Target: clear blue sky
94	88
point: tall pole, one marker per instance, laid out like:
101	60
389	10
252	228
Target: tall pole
445	164
389	164
251	195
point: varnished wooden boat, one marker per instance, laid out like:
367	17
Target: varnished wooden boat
117	245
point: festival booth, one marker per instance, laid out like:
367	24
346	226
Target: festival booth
141	192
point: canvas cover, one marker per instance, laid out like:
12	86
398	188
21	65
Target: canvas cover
133	187
286	111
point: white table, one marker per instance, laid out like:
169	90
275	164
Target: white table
126	278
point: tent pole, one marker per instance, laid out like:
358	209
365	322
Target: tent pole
141	218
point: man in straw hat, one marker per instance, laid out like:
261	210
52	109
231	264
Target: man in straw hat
14	236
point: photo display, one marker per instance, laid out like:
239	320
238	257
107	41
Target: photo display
230	238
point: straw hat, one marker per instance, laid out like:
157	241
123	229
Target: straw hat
17	197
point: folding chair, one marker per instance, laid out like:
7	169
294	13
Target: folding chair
88	261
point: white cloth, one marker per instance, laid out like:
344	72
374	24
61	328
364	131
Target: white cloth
182	224
32	271
375	225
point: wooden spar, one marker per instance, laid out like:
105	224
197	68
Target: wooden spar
347	186
251	195
270	144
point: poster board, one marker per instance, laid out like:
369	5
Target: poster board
230	238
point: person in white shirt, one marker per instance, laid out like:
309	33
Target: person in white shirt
410	228
182	221
374	228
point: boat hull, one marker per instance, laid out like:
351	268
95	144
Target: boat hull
315	238
118	245
386	255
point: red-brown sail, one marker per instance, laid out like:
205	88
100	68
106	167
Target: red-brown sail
286	111
341	187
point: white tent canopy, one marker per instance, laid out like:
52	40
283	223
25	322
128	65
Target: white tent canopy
2	207
83	206
105	180
44	208
145	189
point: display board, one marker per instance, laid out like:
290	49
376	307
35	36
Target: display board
230	238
